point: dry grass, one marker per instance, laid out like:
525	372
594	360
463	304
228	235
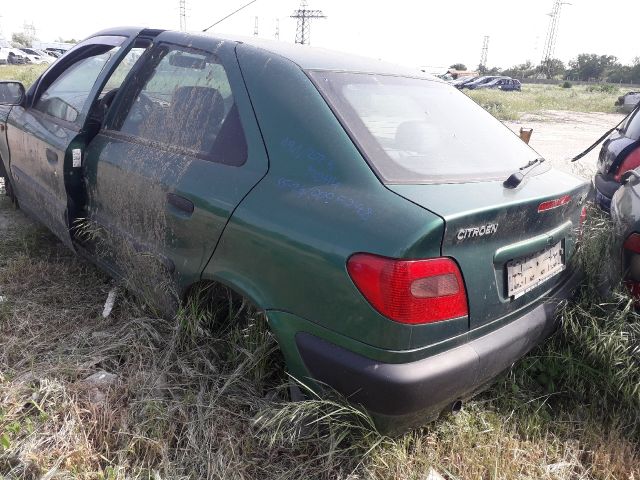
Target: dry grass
27	74
204	396
534	98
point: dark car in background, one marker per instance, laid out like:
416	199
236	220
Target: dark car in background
482	81
503	83
619	154
461	82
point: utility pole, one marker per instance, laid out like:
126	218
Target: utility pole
277	35
183	15
304	16
485	51
255	27
552	34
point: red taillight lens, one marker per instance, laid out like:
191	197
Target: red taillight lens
551	204
632	259
630	162
410	291
632	243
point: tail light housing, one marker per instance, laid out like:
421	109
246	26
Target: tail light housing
631	248
630	162
410	291
551	204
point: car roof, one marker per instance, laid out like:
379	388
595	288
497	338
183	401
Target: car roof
305	56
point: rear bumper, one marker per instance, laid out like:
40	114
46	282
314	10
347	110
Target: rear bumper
401	392
605	188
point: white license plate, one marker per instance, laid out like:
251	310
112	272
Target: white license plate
527	273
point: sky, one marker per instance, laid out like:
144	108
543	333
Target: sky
427	34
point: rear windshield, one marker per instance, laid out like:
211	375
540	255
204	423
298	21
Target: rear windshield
421	131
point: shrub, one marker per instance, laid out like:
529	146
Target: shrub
602	88
567	85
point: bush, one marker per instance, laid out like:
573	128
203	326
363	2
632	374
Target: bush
567	85
602	88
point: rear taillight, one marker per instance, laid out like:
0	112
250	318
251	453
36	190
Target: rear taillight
410	291
629	163
632	250
583	218
551	204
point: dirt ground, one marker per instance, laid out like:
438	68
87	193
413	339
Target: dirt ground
560	135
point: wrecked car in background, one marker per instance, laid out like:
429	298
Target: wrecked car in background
628	101
619	153
625	212
405	245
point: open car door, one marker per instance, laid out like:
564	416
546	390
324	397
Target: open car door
48	134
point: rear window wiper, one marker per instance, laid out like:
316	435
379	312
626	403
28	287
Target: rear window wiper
516	178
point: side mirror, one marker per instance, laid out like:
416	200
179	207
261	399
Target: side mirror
11	93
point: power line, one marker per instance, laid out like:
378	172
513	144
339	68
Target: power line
552	33
232	13
304	16
485	52
183	15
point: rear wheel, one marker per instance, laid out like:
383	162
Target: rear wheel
9	192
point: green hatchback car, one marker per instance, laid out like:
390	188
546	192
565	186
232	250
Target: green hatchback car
405	245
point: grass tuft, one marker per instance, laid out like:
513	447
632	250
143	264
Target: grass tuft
205	395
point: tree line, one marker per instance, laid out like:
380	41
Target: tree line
585	67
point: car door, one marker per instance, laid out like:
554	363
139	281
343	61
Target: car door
175	157
47	135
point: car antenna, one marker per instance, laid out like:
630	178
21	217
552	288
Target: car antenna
232	13
601	139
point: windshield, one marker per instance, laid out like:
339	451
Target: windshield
421	131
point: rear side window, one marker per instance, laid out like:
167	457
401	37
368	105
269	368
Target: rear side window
422	131
632	129
185	102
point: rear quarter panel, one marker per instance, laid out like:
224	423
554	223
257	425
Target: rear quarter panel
287	244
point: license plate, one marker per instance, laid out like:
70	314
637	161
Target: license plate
525	274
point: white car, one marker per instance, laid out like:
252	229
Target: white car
15	56
32	56
629	101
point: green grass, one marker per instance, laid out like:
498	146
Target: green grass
205	396
534	98
27	74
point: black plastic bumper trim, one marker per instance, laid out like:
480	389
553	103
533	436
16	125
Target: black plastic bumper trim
606	186
432	383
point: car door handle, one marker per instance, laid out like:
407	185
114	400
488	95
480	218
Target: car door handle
180	203
52	157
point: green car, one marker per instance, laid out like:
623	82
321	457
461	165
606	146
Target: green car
405	245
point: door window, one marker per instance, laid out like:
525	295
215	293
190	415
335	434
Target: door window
124	67
67	96
186	103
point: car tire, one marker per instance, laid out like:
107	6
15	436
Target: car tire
10	192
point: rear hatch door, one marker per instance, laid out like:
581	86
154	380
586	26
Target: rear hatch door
512	246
